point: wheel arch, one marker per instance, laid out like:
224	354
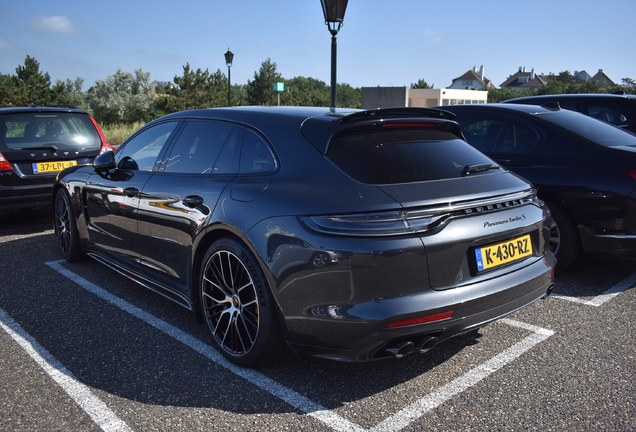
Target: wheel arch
213	234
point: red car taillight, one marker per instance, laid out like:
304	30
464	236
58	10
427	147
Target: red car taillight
4	163
632	174
105	145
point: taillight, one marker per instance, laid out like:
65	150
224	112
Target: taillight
105	145
375	224
632	174
4	163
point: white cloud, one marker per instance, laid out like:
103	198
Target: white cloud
432	36
54	24
4	45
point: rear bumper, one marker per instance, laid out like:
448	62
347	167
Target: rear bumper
364	326
24	197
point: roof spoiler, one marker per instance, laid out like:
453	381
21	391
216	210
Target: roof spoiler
399	112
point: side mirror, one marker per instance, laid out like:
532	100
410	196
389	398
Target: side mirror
104	161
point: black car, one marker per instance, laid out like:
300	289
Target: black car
584	169
349	235
616	109
36	143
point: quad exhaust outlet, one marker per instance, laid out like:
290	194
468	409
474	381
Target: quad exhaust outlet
401	348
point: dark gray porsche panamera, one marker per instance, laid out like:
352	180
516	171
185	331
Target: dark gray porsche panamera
344	234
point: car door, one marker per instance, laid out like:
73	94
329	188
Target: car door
112	198
177	200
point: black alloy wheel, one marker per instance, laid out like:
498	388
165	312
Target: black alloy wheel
320	259
565	243
238	306
66	227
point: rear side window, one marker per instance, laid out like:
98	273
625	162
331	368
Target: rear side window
256	155
402	154
63	130
598	132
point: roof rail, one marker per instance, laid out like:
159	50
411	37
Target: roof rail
62	106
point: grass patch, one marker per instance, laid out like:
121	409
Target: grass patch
116	134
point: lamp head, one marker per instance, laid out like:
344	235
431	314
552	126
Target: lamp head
334	11
229	57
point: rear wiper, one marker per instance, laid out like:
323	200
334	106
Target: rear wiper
471	169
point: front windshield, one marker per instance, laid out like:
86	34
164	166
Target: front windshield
592	129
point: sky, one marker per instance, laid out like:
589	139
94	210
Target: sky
381	43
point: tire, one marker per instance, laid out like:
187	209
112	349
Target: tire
65	226
238	306
565	242
320	259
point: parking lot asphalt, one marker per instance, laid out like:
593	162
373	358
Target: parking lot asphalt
83	348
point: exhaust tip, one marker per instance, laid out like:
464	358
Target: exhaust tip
401	349
428	344
549	291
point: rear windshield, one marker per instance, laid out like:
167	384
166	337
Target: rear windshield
402	155
594	130
63	130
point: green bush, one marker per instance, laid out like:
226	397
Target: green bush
117	134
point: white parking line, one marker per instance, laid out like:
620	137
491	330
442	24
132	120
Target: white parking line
453	388
605	297
94	407
302	403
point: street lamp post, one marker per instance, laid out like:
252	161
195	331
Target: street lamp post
229	57
334	11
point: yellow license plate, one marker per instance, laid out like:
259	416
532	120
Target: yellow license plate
47	167
502	253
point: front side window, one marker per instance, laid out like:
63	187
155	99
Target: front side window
607	114
141	152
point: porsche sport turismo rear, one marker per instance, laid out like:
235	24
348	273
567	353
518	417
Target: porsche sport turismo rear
349	235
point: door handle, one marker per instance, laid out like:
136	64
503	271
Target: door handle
131	191
193	200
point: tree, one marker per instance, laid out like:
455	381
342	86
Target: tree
259	91
33	85
199	89
421	84
122	98
301	91
70	92
349	97
629	85
10	95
